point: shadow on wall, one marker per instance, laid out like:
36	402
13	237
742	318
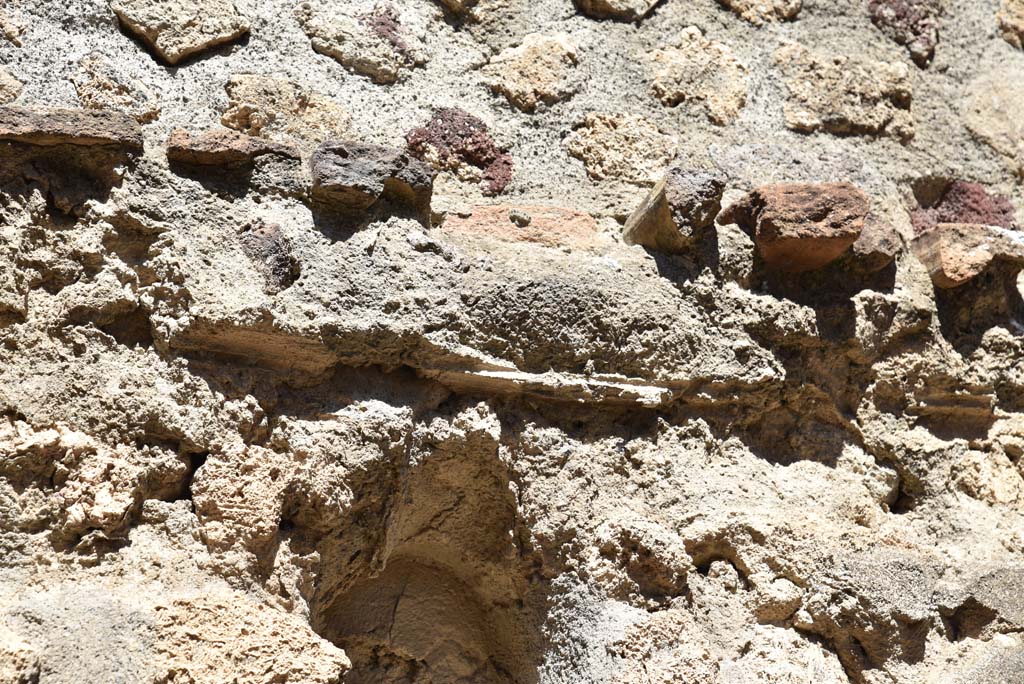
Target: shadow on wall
444	592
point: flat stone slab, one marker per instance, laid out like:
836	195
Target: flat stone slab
222	147
69	127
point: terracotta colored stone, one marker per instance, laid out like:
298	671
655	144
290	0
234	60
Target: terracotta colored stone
801	226
222	147
69	127
456	141
914	23
548	226
352	178
955	253
679	207
965	202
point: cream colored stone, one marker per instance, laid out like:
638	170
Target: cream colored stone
994	112
177	29
538	70
100	86
1011	22
760	12
697	70
623	148
10	87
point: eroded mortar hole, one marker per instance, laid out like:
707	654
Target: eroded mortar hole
447	591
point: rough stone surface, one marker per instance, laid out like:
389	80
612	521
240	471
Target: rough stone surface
177	29
845	95
100	85
538	70
69	126
964	202
352	177
955	253
1011	22
676	212
695	69
245	439
458	142
381	41
914	23
282	110
801	227
621	10
627	148
10	87
759	12
221	147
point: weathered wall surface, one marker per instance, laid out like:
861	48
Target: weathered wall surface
478	341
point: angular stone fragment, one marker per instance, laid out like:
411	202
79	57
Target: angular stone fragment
10	87
801	226
540	69
621	10
955	253
1011	22
994	113
696	69
456	141
176	29
352	178
222	147
680	206
379	41
760	12
278	109
914	23
877	246
845	95
69	127
11	29
458	6
965	202
100	85
625	148
548	226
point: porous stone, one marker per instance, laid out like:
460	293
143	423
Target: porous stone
624	148
380	41
695	69
760	12
801	226
69	127
1011	22
542	225
11	28
100	85
964	202
454	140
620	10
955	253
222	147
282	110
877	247
10	87
177	29
351	178
538	70
845	95
914	23
682	205
458	6
994	113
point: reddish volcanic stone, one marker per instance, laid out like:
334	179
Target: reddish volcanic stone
456	141
964	202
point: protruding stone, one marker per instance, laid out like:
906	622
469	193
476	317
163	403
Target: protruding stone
1011	22
69	127
621	10
624	148
100	85
696	69
538	70
955	253
458	6
994	113
176	29
282	110
10	87
548	226
877	246
11	29
845	95
352	178
759	12
965	202
456	141
380	41
801	226
682	205
914	23
222	147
